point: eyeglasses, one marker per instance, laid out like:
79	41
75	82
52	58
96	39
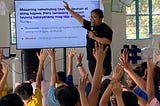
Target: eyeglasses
94	18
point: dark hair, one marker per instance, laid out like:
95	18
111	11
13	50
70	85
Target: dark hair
61	76
129	98
24	90
104	86
144	65
99	12
11	100
67	95
139	71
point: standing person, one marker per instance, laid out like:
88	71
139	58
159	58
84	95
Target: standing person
97	31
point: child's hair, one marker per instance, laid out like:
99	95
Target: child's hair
67	95
11	100
61	76
129	98
104	86
24	90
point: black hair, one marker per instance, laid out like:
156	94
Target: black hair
24	90
129	98
104	86
139	71
67	95
61	76
11	100
99	12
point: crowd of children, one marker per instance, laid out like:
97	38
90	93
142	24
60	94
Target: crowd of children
141	88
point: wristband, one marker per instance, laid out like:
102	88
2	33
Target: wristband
79	64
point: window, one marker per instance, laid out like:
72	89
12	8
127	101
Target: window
142	19
12	28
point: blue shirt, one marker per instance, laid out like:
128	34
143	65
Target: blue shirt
141	93
52	101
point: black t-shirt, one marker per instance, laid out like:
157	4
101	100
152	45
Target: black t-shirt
103	31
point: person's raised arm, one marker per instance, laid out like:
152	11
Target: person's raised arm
99	53
127	68
4	77
77	16
41	56
80	67
117	91
150	83
71	54
51	54
117	75
81	89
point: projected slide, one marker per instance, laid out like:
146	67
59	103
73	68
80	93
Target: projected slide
46	23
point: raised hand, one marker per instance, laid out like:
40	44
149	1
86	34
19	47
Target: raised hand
124	63
117	73
116	87
81	89
71	53
79	58
66	5
99	52
150	65
51	53
42	56
4	68
82	83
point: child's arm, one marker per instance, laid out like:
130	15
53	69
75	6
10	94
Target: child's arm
41	56
117	90
81	89
51	54
4	77
99	53
127	68
71	54
80	67
150	83
117	75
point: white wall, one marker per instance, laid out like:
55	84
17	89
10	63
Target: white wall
115	20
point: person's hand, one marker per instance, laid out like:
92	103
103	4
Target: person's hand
4	68
51	53
66	5
150	65
117	73
71	53
124	63
82	83
1	55
79	58
116	88
42	55
91	35
98	52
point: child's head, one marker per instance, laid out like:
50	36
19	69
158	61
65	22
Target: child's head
11	100
129	99
61	76
139	71
67	95
24	90
131	84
